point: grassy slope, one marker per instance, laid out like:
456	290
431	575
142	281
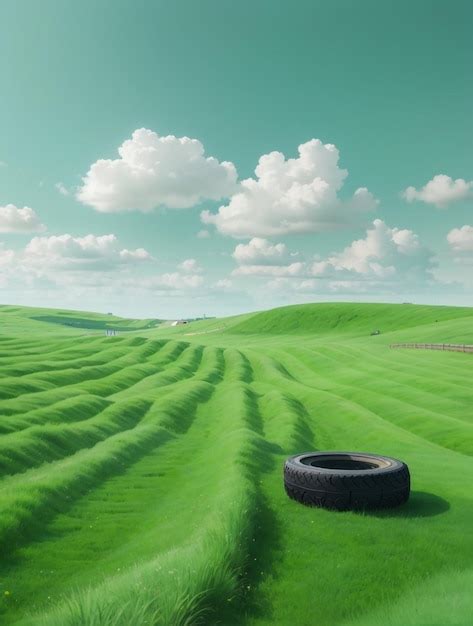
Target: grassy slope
19	317
347	318
149	491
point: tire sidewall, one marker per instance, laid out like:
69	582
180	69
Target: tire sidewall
295	462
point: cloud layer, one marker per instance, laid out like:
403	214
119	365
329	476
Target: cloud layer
91	263
92	252
260	251
292	196
387	256
461	239
172	281
385	253
16	220
441	191
155	171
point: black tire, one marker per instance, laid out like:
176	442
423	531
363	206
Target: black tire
346	481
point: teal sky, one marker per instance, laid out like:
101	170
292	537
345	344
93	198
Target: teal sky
389	83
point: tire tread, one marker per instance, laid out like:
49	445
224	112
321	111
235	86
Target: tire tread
342	492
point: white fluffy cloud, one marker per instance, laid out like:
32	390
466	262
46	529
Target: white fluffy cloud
16	220
95	264
385	253
139	254
259	257
190	266
91	252
385	256
291	196
260	251
155	171
461	239
440	191
6	256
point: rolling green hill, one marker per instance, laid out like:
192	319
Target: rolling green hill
141	475
348	318
73	319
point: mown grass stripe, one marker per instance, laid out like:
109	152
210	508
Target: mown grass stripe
455	371
436	427
48	489
138	354
72	409
38	445
182	368
94	358
171	516
206	568
396	385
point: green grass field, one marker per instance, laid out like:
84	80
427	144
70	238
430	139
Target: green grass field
141	475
